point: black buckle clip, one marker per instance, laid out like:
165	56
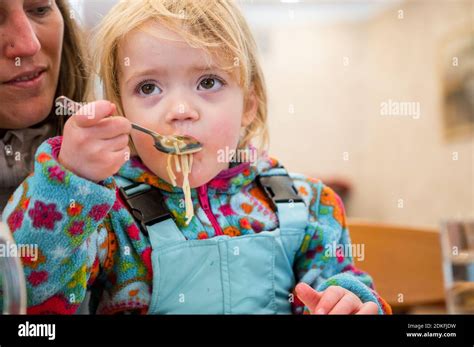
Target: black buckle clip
280	189
148	207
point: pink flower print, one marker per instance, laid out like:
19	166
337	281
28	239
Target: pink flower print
56	173
118	204
133	231
98	212
76	228
226	210
55	141
44	215
37	277
219	183
146	258
14	220
257	226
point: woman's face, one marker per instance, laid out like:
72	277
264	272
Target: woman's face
31	35
173	88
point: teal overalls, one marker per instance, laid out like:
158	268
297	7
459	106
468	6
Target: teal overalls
249	274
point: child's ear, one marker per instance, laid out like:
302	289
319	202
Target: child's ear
250	108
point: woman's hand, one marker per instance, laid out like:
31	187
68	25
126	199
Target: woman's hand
94	145
333	300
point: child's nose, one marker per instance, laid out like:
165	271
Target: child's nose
182	112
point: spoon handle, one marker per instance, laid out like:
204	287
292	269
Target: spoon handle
70	105
146	130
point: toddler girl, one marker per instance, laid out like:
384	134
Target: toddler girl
245	238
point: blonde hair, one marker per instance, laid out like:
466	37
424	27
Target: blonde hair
217	26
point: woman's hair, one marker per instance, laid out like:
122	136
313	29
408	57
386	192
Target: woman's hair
217	26
74	79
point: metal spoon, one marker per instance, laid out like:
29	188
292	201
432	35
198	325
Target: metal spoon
171	144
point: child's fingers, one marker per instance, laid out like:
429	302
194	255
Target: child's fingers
329	299
348	304
92	113
116	144
307	295
116	160
111	127
368	308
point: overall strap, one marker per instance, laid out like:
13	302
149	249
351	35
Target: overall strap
291	209
146	204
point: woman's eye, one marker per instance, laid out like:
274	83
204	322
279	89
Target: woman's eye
40	11
149	89
210	83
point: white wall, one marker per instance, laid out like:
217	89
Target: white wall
337	109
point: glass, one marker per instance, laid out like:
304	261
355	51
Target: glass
457	241
12	282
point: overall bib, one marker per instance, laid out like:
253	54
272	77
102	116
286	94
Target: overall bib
249	274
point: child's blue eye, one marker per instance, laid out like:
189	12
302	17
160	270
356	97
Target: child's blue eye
210	83
148	89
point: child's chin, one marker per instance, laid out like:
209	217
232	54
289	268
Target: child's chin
199	176
195	179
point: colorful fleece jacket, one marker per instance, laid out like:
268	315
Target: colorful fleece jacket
88	239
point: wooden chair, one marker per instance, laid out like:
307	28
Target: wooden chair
404	262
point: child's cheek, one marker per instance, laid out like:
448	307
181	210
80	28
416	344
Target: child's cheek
145	146
142	142
224	135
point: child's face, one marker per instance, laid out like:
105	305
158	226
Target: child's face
168	86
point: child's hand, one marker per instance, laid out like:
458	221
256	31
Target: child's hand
95	146
333	300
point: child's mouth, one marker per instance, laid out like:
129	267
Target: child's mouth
192	137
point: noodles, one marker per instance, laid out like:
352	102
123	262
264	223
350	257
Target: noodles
176	161
185	164
170	171
185	168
